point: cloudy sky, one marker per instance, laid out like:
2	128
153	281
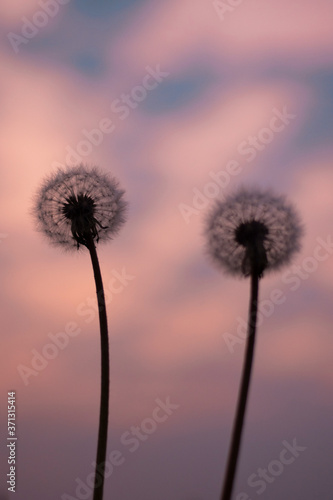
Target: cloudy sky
183	101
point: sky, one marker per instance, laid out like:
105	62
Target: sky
183	102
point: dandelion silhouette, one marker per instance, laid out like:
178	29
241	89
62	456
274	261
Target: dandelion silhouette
249	234
75	207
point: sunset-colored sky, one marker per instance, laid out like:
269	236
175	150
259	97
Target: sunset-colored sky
183	101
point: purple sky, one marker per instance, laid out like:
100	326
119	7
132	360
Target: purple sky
182	101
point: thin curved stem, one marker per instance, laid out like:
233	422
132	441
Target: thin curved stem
243	393
105	376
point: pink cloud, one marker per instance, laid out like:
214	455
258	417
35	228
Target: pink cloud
300	30
11	12
211	134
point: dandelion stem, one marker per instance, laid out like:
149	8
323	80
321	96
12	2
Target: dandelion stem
243	393
105	376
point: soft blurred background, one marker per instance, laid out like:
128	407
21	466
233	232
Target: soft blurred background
224	72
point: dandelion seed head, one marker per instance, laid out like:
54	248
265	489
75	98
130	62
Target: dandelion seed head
77	204
252	230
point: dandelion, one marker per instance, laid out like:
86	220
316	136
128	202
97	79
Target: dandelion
249	234
78	207
253	228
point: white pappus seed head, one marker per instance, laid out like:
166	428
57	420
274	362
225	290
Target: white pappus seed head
77	205
252	231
